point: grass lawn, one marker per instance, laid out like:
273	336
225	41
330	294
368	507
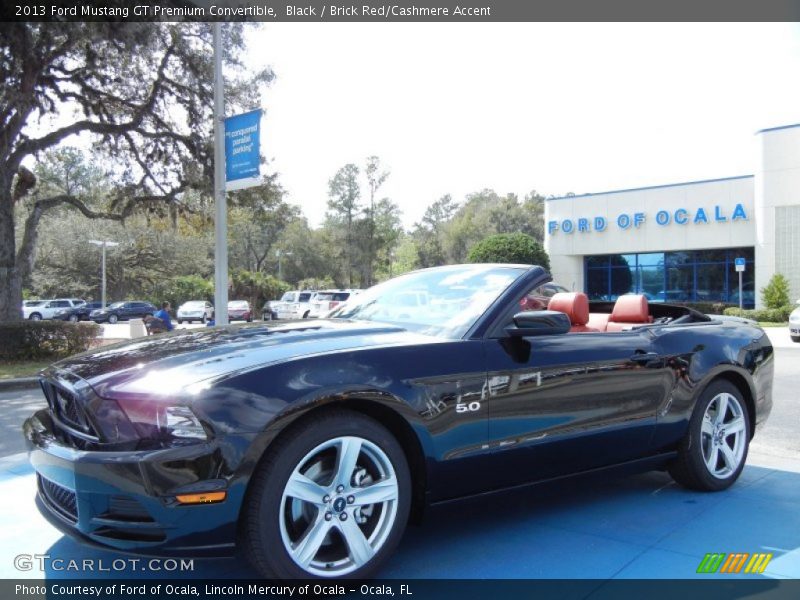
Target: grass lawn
26	368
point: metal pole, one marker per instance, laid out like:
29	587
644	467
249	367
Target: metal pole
280	266
103	290
221	206
741	299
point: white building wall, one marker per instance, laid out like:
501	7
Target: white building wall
567	250
770	198
777	194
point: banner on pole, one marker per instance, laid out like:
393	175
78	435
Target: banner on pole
243	150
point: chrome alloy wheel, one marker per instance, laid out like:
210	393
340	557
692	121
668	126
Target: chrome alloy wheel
724	435
338	506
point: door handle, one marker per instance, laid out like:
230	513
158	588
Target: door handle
645	357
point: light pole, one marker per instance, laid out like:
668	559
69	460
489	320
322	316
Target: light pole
103	244
220	200
280	255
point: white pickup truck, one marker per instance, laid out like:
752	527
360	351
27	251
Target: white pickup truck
36	310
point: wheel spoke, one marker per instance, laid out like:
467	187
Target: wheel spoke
735	426
711	459
376	493
346	460
301	487
306	549
707	427
722	409
728	456
358	546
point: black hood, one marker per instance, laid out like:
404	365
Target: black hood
173	361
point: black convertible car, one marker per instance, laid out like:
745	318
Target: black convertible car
308	444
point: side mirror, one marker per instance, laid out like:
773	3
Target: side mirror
539	322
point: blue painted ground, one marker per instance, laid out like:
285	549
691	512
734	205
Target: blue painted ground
643	526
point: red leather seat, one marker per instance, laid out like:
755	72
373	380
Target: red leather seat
630	309
576	306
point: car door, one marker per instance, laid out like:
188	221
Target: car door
565	403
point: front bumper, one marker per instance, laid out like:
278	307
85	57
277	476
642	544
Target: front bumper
126	500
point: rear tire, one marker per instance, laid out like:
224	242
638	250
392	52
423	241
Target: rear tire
73	318
712	454
356	488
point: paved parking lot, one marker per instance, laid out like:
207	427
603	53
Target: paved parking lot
643	526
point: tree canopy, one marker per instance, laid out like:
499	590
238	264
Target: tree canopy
138	95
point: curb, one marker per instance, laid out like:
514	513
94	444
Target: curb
20	383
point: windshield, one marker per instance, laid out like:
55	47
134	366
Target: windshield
34	302
305	296
445	301
116	305
194	304
288	297
237	304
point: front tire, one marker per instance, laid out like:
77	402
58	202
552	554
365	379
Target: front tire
35	317
73	318
331	500
796	339
113	319
712	454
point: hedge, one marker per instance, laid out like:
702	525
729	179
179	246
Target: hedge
767	315
36	340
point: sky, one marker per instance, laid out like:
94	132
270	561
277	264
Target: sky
557	108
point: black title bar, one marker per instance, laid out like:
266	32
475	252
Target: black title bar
455	11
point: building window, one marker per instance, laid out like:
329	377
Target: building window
686	276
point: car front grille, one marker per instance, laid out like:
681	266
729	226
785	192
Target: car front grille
63	501
68	415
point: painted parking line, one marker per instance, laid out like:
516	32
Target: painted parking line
634	527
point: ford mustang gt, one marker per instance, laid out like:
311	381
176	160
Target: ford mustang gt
307	445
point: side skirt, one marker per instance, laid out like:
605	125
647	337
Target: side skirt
640	465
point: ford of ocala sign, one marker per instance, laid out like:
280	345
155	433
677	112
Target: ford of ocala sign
680	216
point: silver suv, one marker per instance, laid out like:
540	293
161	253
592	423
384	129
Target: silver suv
36	310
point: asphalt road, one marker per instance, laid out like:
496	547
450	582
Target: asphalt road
778	438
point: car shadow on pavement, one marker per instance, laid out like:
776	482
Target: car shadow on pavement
641	526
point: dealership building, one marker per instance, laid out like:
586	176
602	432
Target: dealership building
680	242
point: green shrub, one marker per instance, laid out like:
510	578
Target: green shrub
184	288
766	315
518	248
776	293
36	340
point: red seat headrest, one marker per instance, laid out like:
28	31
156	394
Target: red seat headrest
631	308
574	304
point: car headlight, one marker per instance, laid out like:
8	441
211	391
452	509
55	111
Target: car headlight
795	317
149	420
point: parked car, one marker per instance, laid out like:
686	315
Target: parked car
326	300
195	310
309	446
794	324
239	310
123	311
47	309
78	313
292	305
